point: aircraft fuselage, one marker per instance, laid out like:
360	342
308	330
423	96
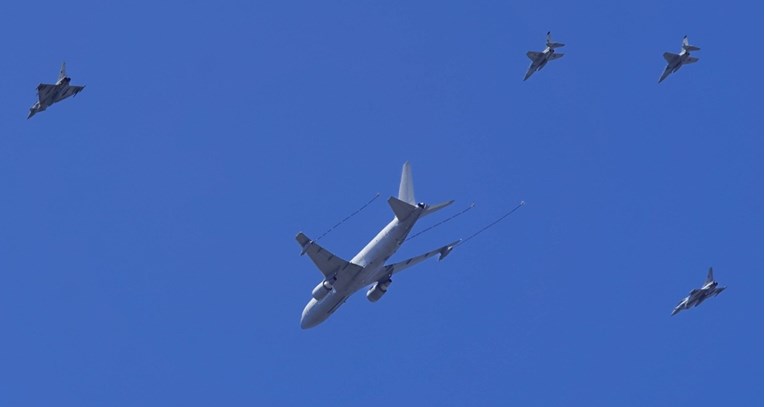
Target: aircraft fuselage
372	259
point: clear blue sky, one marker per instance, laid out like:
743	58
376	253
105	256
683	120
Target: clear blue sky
147	252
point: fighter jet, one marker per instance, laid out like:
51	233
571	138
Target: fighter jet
698	295
540	59
342	278
48	94
675	61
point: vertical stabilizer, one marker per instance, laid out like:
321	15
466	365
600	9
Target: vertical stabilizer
710	276
406	188
552	44
62	72
689	47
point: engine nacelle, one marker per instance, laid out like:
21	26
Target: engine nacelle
321	290
377	290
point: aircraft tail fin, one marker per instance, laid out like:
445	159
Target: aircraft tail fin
406	187
405	204
552	44
62	72
710	276
689	47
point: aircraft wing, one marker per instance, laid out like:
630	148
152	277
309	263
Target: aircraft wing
670	57
555	55
69	91
530	72
329	264
44	91
443	251
533	55
691	60
666	73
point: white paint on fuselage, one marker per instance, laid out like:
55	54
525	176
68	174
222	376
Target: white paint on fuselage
372	258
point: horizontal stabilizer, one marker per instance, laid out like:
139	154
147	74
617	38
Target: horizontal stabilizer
329	264
401	209
688	47
433	208
442	251
551	43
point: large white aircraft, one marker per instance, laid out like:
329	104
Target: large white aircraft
343	278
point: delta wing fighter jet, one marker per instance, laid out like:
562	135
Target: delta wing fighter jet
540	59
675	61
343	278
48	94
698	295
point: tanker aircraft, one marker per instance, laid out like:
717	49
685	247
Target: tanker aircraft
342	278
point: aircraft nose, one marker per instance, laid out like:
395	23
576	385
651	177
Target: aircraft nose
306	323
308	319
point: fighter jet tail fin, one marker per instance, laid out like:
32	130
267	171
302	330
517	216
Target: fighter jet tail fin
552	44
710	276
689	47
62	72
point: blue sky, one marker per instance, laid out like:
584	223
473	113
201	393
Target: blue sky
147	230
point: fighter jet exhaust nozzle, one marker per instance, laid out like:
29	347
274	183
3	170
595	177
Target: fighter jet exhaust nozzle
321	290
378	290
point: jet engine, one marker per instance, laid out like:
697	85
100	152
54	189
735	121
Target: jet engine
322	290
377	290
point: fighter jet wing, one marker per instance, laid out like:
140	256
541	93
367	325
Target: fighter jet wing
530	72
329	264
555	55
666	73
69	91
44	91
670	57
691	60
533	55
443	251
